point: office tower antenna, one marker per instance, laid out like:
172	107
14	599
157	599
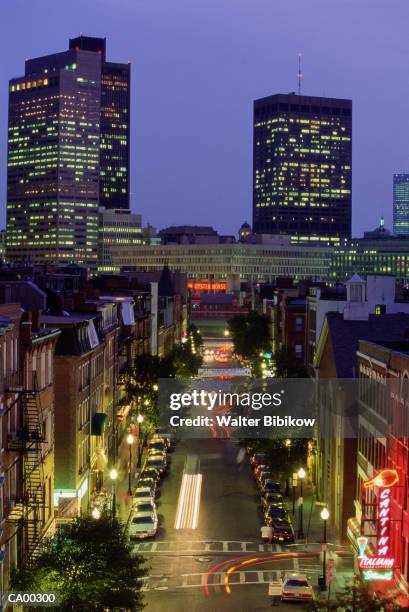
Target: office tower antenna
300	74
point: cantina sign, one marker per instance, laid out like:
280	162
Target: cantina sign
380	566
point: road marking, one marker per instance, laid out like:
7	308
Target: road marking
165	547
198	580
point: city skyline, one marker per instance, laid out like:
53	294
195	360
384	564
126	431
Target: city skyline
168	100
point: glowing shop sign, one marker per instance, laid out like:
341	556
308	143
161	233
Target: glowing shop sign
376	575
207	285
373	566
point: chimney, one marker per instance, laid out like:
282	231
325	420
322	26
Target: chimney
35	320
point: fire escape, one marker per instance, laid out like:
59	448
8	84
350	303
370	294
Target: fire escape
26	442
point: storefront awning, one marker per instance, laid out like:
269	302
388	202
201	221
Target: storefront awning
98	423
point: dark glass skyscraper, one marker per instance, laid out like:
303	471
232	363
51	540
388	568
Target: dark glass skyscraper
115	125
302	174
401	204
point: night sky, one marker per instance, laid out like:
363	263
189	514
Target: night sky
197	65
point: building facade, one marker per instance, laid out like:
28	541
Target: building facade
118	232
401	204
254	262
115	122
378	252
27	433
302	167
53	160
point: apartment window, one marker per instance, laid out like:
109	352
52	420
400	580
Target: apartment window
298	350
380	309
50	366
42	381
298	324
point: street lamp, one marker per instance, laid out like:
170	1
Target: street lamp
325	517
113	474
301	476
287	444
96	513
139	420
129	439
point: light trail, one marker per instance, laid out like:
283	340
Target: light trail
187	513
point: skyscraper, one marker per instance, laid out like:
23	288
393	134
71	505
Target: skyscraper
68	152
302	167
53	160
115	125
401	204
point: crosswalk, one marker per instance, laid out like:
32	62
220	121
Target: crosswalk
182	547
215	580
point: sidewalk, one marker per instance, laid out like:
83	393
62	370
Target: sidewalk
313	528
123	499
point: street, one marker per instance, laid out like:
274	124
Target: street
199	569
228	532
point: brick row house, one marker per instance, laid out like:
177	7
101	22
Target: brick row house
27	435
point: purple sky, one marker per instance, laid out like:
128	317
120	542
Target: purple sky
197	65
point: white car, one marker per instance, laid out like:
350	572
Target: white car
296	587
143	525
142	507
143	495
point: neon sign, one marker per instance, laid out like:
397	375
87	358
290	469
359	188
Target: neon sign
207	285
373	566
375	575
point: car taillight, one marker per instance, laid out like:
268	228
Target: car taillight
287	593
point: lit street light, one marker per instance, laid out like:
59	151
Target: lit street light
325	517
113	474
129	439
139	420
301	476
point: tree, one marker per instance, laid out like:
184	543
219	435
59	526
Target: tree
251	338
90	565
287	366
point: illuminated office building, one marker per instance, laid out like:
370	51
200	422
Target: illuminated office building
53	160
401	204
68	152
119	231
302	167
115	125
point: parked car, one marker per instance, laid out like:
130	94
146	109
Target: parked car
258	459
272	498
270	486
262	479
157	453
143	507
156	462
150	472
158	445
273	512
296	587
261	469
142	495
143	525
282	531
163	436
151	483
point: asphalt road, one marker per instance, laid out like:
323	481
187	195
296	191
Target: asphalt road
227	533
